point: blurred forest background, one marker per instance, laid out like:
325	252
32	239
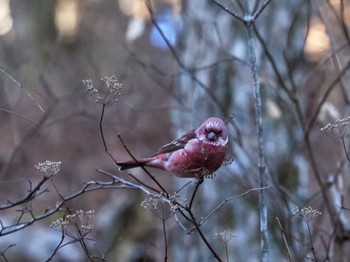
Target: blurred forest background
202	69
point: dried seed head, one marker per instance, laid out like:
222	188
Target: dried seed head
224	236
50	168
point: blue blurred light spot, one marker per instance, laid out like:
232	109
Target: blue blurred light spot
170	24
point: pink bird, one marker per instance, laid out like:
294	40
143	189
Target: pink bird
198	153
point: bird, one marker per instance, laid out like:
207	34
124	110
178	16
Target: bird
196	154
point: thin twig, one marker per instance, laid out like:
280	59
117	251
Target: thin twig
311	243
27	137
144	169
88	187
165	237
198	183
102	133
2	253
345	150
284	239
325	96
202	235
224	202
58	246
143	183
31	195
235	15
19	116
262	8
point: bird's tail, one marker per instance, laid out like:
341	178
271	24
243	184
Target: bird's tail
131	164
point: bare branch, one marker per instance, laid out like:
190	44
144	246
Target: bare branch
31	195
325	96
284	239
235	15
144	169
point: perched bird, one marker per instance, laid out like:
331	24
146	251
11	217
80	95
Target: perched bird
197	153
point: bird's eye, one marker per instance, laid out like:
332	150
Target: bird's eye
211	135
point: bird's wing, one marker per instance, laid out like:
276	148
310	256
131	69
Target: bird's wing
177	143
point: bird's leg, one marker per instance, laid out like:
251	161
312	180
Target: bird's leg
199	180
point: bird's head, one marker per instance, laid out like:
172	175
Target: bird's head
213	131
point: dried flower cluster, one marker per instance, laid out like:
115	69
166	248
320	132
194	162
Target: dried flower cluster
81	218
306	213
50	168
224	236
177	202
152	201
339	127
59	223
112	85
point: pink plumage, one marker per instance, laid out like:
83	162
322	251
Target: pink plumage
197	153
